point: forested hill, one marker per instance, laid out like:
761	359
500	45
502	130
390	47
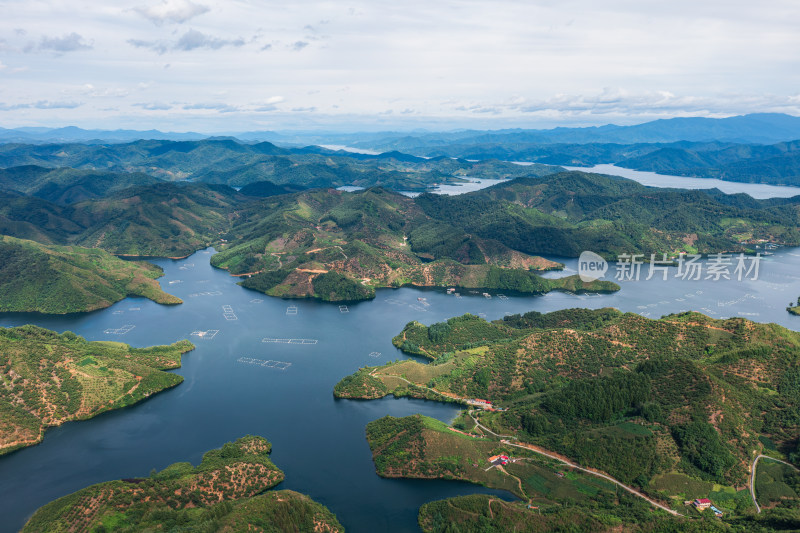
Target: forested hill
379	238
777	164
49	379
341	246
67	185
165	219
227	491
60	279
237	164
566	213
633	397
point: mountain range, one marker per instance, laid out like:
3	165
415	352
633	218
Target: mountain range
750	128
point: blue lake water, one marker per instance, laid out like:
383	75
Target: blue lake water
317	440
651	179
756	190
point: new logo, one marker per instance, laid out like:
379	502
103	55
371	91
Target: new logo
591	267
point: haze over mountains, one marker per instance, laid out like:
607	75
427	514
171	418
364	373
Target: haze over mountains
758	148
763	128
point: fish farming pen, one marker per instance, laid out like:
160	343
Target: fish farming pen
271	340
256	301
267	363
227	312
206	335
343	309
375	354
206	293
291	310
119	331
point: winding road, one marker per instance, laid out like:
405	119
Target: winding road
753	476
530	447
592	472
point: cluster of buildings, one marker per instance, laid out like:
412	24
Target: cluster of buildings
499	460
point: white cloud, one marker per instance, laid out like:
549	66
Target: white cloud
175	11
68	43
154	106
191	40
443	64
268	105
218	107
41	104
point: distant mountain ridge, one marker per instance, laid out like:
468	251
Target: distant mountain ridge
227	161
76	134
764	128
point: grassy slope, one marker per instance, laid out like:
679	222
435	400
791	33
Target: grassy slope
47	379
57	279
225	492
631	396
374	238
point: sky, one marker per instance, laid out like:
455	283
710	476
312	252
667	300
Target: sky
241	65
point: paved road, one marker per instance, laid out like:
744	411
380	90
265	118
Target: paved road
753	476
598	474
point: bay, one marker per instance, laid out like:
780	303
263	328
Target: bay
317	440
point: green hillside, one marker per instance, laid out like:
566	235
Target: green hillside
225	492
777	164
481	513
164	220
68	185
342	246
567	213
60	279
653	403
232	163
552	497
47	379
263	189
